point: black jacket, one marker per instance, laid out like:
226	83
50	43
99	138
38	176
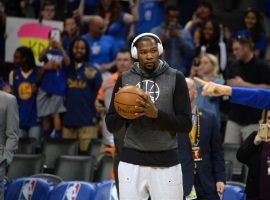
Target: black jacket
249	154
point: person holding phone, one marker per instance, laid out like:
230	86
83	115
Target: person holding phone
52	82
255	153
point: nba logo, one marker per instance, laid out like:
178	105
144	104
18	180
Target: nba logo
27	190
72	191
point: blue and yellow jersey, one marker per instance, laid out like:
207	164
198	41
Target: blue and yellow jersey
22	86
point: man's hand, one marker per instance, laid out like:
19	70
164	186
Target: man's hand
220	187
213	89
147	107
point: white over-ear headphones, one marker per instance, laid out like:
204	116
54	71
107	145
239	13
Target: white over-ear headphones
133	49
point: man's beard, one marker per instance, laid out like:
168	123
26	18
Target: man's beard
149	71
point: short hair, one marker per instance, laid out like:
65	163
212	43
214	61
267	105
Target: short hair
171	8
76	39
244	40
145	38
205	4
47	3
124	51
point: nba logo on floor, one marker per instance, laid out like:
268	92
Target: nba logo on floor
27	190
72	191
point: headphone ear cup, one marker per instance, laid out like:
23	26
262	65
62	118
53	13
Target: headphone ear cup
160	48
134	52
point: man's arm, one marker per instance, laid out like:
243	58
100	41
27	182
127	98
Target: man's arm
114	121
181	120
257	98
12	128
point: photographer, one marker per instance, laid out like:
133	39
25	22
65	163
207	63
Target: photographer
177	42
255	153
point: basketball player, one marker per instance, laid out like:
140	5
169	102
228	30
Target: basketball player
149	163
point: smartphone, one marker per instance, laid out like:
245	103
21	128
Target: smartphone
55	35
263	130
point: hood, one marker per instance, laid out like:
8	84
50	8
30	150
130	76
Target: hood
161	68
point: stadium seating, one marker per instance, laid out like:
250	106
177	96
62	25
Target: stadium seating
27	146
52	149
75	168
106	191
228	168
24	165
234	191
105	169
230	154
51	178
28	188
73	190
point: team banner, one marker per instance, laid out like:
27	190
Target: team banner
28	32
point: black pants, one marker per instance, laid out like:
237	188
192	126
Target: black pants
201	194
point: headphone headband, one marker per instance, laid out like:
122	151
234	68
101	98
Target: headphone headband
134	49
145	34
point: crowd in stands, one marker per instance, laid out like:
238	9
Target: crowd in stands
68	95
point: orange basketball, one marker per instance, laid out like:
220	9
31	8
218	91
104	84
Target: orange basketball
125	101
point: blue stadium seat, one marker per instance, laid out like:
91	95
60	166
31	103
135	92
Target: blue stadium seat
28	188
106	191
73	190
234	192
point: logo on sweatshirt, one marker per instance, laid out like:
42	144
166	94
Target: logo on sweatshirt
150	87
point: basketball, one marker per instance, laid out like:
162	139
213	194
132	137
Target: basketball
125	101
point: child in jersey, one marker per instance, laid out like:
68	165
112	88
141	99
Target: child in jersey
21	80
52	86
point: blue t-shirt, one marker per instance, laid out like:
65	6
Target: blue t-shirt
25	98
82	88
118	31
102	50
151	14
260	44
54	82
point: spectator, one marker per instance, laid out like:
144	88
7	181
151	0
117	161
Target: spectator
83	83
22	80
48	10
203	12
242	120
102	51
116	21
254	30
71	30
52	81
208	156
9	129
254	152
177	41
151	14
208	70
212	41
